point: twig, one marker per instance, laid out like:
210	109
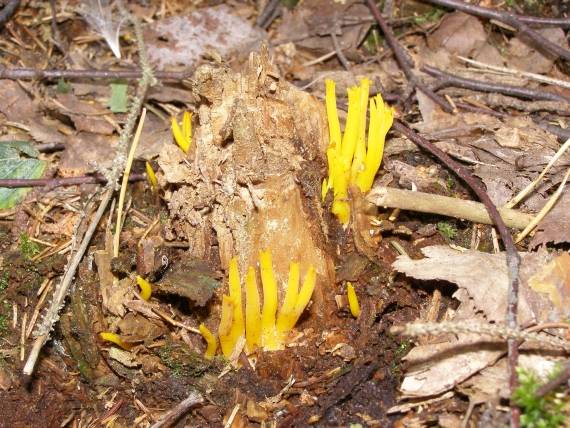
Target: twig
8	10
533	76
52	314
545	209
404	60
513	259
390	197
169	418
534	184
445	80
338	51
552	384
31	73
544	22
494	330
540	42
270	12
58	182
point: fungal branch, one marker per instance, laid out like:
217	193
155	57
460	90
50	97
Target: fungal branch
353	159
263	325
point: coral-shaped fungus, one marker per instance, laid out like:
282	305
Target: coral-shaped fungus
353	160
183	137
261	326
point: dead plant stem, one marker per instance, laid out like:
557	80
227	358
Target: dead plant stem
51	316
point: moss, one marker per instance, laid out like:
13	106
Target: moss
4	277
28	248
537	412
184	362
447	230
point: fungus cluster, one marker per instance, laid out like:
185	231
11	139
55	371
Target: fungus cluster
262	325
353	159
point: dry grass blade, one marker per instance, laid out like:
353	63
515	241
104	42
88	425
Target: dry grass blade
545	210
524	193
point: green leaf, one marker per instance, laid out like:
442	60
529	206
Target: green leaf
18	159
119	98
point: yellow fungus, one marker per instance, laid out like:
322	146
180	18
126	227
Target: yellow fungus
269	338
183	137
145	286
238	327
252	311
353	161
305	294
116	339
286	319
261	326
227	341
352	300
210	340
151	177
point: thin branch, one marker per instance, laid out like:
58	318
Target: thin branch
51	316
552	384
495	331
404	60
174	414
504	70
59	182
544	22
513	259
8	10
445	80
408	200
338	51
31	73
540	42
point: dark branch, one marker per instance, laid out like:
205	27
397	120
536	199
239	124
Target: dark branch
446	80
541	43
30	73
404	60
8	10
58	182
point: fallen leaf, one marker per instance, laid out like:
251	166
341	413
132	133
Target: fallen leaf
16	104
458	33
523	56
483	275
554	281
18	159
555	227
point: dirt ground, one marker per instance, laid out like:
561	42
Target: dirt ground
253	76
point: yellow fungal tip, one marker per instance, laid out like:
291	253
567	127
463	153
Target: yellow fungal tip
264	327
145	286
210	341
116	339
352	300
354	160
183	136
151	177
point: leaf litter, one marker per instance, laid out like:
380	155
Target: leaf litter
252	181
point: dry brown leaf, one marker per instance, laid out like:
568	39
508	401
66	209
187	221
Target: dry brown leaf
523	56
554	281
459	33
483	275
310	24
16	104
555	227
